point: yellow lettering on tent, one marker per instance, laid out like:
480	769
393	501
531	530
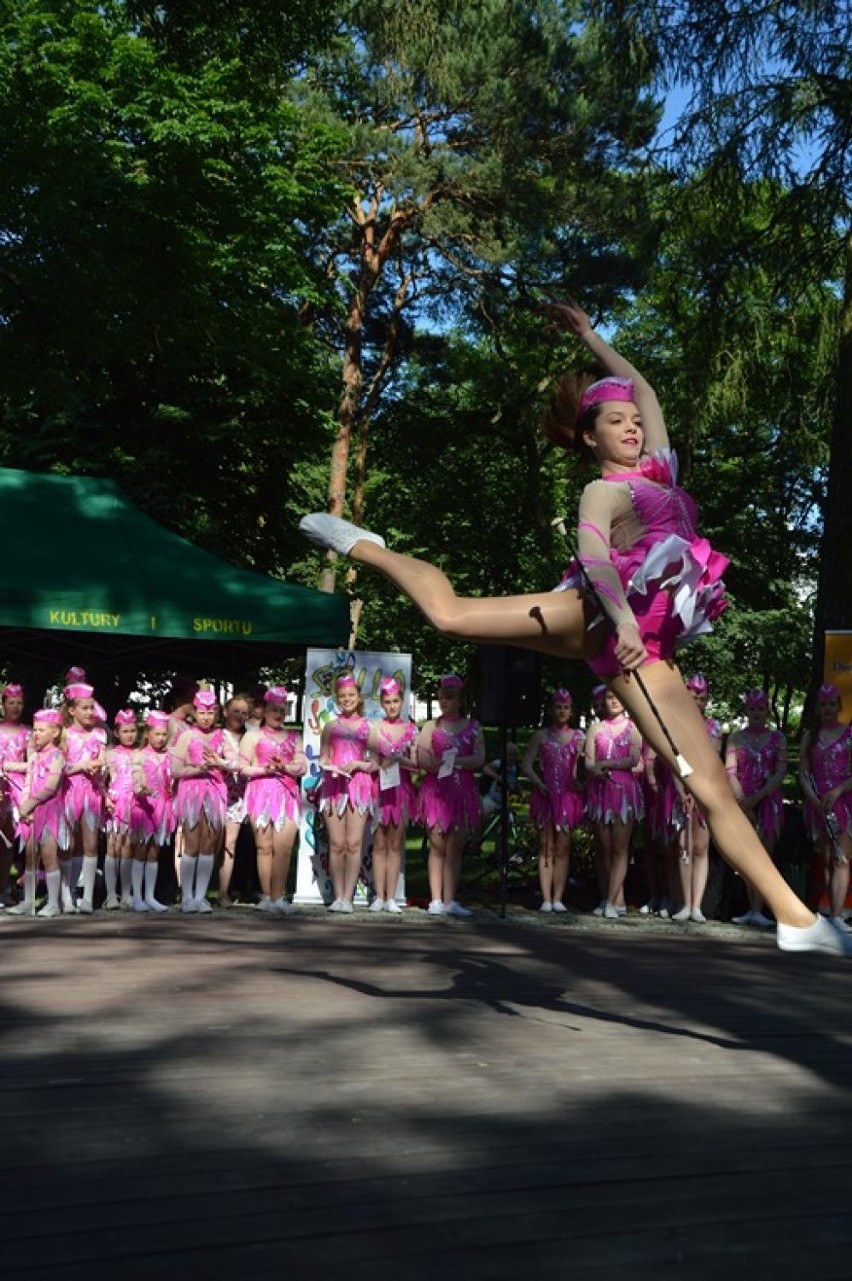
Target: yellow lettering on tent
222	626
84	618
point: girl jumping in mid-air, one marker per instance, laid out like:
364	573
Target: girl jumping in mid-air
660	584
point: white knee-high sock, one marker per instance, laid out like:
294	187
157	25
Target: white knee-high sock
111	875
90	869
54	880
151	870
205	872
137	875
187	876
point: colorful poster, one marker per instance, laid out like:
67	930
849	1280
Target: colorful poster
322	666
837	668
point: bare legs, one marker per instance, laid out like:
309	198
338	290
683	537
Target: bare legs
345	838
274	848
445	860
387	860
553	854
614	843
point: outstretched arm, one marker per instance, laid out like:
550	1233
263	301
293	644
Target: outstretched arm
572	316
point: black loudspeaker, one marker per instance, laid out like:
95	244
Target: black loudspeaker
510	689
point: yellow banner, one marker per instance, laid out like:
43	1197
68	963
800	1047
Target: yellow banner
837	668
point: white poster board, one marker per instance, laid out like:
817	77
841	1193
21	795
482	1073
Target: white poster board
322	666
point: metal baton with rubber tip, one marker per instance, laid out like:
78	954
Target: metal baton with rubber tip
684	768
831	825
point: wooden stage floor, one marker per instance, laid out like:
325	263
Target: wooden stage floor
320	1097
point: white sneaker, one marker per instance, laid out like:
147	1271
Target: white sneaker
559	906
839	924
665	909
745	919
265	904
283	906
126	903
336	905
610	912
761	921
335	534
698	916
649	908
377	905
393	907
822	936
346	906
24	908
189	905
50	910
455	909
66	900
546	906
203	906
599	910
112	903
683	915
435	908
154	905
139	905
86	907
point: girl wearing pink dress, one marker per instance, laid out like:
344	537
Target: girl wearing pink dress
152	816
84	799
14	740
201	759
825	775
450	749
42	811
272	761
345	793
236	714
120	774
614	795
391	744
694	861
756	762
557	805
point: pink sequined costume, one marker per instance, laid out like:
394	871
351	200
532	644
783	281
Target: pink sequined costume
206	793
45	769
667	817
347	742
831	765
274	799
563	804
452	803
84	799
394	806
13	748
618	794
758	758
153	816
121	762
661	573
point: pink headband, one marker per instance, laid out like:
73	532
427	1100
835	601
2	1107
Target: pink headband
562	695
78	690
828	691
47	716
276	696
389	685
607	389
755	699
451	681
13	691
157	720
346	681
697	683
205	699
75	674
125	717
598	691
98	712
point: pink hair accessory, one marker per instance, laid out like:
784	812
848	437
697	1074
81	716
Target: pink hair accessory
451	681
697	683
389	685
13	691
47	716
276	696
346	681
598	691
157	720
204	699
755	699
99	712
78	690
562	695
75	674
125	717
828	691
607	389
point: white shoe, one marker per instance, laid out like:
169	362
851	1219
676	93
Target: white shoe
546	906
698	916
265	904
745	919
112	903
24	908
203	906
822	936
139	905
455	909
649	908
610	912
839	924
393	907
435	908
189	905
683	915
761	921
558	906
346	906
126	903
665	910
154	905
335	534
336	905
377	905
283	906
66	899
599	910
86	907
50	910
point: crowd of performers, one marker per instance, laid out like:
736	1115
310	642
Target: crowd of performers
71	788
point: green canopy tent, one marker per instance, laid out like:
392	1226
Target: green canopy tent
88	577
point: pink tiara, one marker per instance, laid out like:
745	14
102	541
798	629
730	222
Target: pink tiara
562	695
98	712
346	681
78	690
451	681
598	691
828	690
75	674
697	683
755	699
205	699
125	717
47	716
13	691
157	720
389	685
276	696
607	389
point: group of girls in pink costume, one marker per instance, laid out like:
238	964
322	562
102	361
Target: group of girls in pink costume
825	774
